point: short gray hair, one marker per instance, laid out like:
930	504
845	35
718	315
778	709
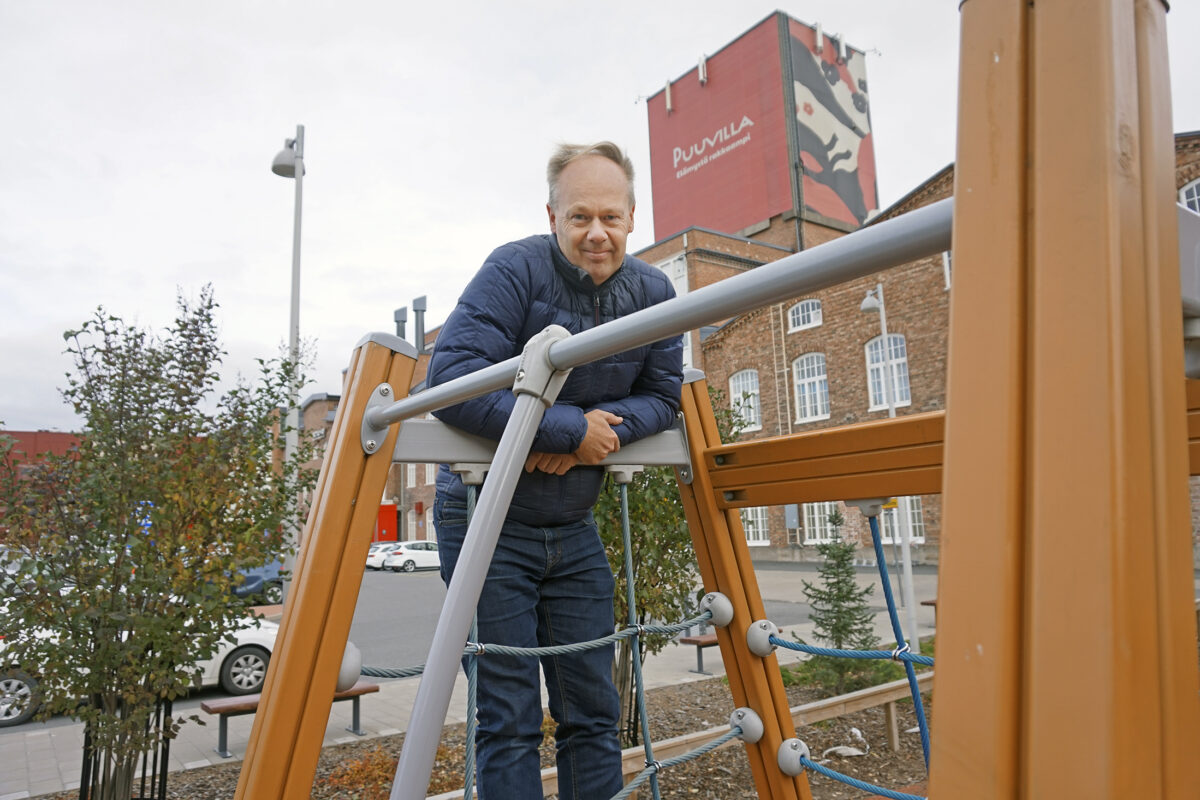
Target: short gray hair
566	153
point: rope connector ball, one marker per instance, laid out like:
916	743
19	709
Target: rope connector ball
719	606
758	637
791	756
749	722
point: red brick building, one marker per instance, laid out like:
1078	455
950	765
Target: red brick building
818	361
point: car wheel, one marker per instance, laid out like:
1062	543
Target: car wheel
409	565
19	699
244	670
273	594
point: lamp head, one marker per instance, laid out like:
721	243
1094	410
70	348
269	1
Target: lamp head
870	302
284	164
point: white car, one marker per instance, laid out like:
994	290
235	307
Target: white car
409	556
238	667
377	554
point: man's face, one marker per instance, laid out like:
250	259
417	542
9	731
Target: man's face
594	216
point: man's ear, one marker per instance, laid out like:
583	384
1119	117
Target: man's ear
550	213
631	210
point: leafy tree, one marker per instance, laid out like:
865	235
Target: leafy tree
665	578
842	619
132	543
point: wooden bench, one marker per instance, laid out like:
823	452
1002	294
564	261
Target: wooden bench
701	641
226	707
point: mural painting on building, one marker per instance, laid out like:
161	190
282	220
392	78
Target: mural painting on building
833	126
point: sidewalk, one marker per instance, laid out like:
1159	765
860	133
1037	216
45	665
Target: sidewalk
40	758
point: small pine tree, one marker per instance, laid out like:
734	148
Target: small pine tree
842	619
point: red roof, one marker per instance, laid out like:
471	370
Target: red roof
35	443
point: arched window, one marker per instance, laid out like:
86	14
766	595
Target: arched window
1189	195
812	387
743	398
880	366
805	314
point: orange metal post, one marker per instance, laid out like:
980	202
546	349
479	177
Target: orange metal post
285	742
725	567
1066	659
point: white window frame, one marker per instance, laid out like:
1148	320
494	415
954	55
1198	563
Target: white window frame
878	370
946	258
675	268
805	314
430	474
755	524
1189	195
410	476
815	519
810	383
427	527
748	408
913	513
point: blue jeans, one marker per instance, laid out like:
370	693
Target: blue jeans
545	587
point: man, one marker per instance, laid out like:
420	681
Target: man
549	582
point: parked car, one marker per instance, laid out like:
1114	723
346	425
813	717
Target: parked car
264	583
375	557
409	556
238	667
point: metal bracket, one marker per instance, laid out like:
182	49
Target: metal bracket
869	507
684	473
535	374
371	436
471	474
623	473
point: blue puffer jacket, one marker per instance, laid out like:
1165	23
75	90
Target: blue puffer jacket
522	288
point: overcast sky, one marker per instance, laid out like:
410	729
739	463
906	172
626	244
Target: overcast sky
137	138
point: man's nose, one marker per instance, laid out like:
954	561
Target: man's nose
596	231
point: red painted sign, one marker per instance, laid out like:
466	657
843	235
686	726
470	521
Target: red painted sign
718	157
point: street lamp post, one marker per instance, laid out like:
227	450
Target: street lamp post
874	302
289	163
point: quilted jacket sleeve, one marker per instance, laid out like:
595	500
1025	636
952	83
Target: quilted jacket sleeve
489	325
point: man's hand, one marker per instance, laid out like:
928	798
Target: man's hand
554	463
598	442
600	439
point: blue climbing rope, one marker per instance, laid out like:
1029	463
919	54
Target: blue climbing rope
856	783
899	654
918	707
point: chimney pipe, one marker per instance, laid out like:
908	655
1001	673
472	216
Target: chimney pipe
400	316
418	306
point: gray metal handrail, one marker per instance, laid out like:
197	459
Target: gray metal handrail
917	234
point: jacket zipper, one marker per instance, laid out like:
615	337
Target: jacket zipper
596	307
